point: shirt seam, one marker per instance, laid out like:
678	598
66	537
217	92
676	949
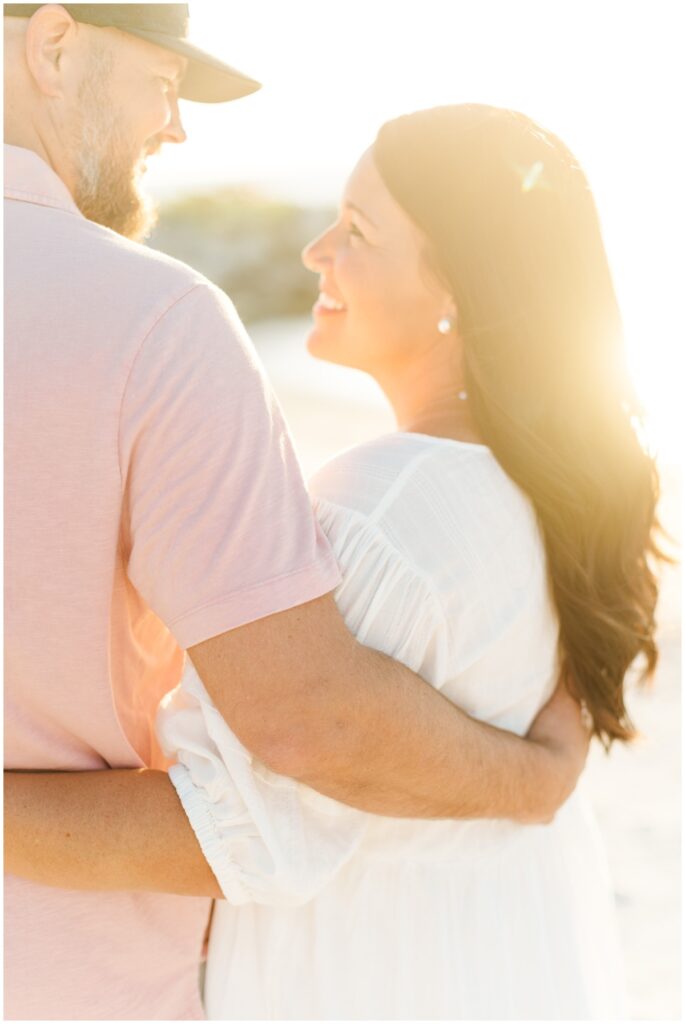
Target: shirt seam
40	199
134	363
233	594
398	484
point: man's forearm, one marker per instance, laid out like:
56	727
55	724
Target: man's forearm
412	753
102	830
312	703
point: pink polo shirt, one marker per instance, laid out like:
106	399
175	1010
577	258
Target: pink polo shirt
153	500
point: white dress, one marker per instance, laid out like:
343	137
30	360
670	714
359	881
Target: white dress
333	913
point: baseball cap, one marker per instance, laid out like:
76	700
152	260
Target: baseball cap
207	79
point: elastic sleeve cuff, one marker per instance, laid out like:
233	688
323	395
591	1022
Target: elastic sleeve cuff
198	811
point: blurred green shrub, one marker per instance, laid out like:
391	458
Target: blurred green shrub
247	244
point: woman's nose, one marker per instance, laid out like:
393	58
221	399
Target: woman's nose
319	252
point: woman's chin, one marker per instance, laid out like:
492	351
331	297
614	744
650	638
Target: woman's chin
322	347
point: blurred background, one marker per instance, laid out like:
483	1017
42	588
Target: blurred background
260	178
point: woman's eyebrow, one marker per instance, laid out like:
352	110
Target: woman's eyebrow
357	209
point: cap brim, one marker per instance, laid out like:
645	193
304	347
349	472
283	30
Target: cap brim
207	80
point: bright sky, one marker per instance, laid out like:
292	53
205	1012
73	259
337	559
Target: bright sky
605	75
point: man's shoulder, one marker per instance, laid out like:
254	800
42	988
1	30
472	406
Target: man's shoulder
72	281
137	286
142	269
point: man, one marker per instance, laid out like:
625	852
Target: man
155	505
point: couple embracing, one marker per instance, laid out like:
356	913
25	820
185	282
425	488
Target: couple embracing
368	757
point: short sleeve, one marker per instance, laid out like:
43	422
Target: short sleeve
450	550
217	524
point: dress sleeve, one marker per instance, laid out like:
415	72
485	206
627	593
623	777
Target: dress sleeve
387	601
268	838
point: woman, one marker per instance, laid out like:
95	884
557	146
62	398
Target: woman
510	517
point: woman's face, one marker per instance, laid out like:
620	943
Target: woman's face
378	307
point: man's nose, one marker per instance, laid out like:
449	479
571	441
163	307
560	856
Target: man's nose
174	131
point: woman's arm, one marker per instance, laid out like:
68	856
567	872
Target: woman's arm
119	829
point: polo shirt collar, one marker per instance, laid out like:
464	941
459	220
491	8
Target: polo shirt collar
29	179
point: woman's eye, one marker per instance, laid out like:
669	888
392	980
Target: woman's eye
354	231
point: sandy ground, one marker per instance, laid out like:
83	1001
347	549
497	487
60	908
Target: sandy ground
636	791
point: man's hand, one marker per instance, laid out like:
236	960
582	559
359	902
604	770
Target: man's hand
561	728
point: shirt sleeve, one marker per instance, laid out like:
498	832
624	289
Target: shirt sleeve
218	524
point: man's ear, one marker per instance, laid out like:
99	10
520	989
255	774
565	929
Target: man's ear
51	30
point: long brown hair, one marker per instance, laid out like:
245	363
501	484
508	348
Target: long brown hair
512	230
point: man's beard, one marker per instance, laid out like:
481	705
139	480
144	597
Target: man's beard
107	173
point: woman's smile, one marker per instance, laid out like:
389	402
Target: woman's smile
326	305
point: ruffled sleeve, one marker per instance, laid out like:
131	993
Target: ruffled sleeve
268	838
385	599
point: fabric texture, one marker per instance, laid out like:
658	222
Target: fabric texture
332	913
153	500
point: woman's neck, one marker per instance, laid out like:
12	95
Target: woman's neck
426	401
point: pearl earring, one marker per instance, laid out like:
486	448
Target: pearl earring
445	325
462	395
